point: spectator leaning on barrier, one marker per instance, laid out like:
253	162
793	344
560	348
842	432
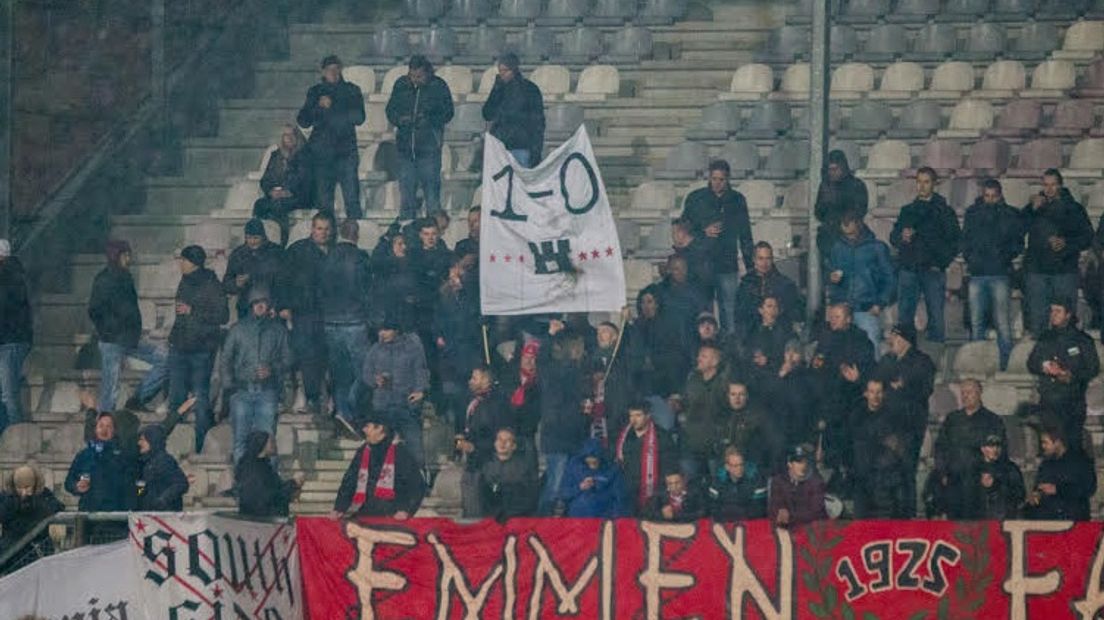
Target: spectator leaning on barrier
16	334
646	454
593	486
796	497
383	478
995	488
333	109
1065	482
958	450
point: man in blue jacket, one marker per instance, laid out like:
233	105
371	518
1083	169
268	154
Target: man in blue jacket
860	274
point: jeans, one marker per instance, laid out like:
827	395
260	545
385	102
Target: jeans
554	466
727	283
1041	289
342	170
425	171
991	297
11	376
345	347
252	409
872	325
112	357
408	424
522	157
190	373
932	285
308	348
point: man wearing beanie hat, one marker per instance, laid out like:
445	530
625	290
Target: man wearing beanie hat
1064	360
382	479
254	361
16	334
113	308
840	192
333	109
255	263
515	110
201	310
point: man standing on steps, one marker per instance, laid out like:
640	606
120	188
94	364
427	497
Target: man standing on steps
254	264
515	110
333	109
201	311
15	334
113	308
719	215
420	107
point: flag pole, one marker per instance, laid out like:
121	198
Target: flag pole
617	345
486	347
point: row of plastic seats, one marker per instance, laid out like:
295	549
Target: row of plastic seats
869	11
595	82
936	41
439	43
906	80
556	11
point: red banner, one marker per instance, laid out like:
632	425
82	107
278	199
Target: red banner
582	568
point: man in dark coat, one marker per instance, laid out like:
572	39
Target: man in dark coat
765	345
995	487
16	334
1065	483
562	379
680	501
382	480
646	454
476	432
881	463
926	237
24	503
958	451
791	396
160	483
334	108
196	335
749	428
1058	230
102	474
681	299
609	365
509	482
796	496
261	491
908	375
840	192
738	490
1064	360
719	214
515	110
344	293
706	397
255	263
764	280
430	259
843	356
458	339
698	253
992	237
420	106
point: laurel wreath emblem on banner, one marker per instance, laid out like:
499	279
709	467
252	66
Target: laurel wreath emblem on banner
825	536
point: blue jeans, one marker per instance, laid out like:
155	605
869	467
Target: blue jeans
727	284
11	377
932	285
407	422
345	348
872	325
522	157
425	171
991	297
331	171
252	409
1041	289
191	373
555	464
112	357
308	348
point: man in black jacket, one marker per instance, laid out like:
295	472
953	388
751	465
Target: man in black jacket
196	335
256	263
992	237
1058	229
420	107
16	334
881	464
680	502
508	480
840	192
160	484
515	109
1065	483
475	436
738	491
958	451
761	281
995	488
334	108
102	474
926	239
1065	360
344	291
909	377
843	356
382	479
719	215
646	454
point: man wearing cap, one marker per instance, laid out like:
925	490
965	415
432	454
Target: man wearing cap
1064	360
383	478
16	334
113	308
909	378
796	496
957	450
201	310
395	371
333	109
255	263
254	360
515	110
995	488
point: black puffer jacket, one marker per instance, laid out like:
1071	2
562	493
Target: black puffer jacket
201	329
992	236
161	483
1063	217
113	307
515	110
16	324
334	132
935	235
420	113
345	285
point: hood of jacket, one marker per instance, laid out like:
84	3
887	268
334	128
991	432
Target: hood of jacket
156	436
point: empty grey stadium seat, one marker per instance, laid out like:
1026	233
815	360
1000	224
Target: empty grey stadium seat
913	11
1018	118
718	120
863	11
607	12
630	44
580	44
844	42
1091	83
1013	10
485	44
561	12
984	41
934	42
514	11
786	44
1004	78
662	11
1061	10
768	119
1036	41
562	119
534	45
470	11
439	43
917	120
803	12
424	9
389	44
988	158
867	121
686	160
1087	155
962	10
1071	118
801	124
886	42
1035	157
1096	10
943	155
467	121
742	157
787	159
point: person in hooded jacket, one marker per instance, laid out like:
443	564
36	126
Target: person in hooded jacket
16	334
593	486
926	237
333	109
102	474
24	503
196	335
515	110
662	345
1065	360
860	273
261	491
256	263
1058	230
113	308
394	279
995	489
738	490
160	484
420	106
383	479
840	192
286	182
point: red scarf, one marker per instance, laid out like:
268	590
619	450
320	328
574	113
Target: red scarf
649	461
528	379
385	485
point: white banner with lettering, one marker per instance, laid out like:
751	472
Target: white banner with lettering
548	242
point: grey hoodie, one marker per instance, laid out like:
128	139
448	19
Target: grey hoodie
403	360
254	342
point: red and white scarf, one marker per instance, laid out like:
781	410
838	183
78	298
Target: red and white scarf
649	461
385	485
